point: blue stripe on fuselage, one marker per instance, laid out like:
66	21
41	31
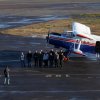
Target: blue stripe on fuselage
70	45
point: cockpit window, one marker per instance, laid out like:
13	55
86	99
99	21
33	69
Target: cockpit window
53	33
69	35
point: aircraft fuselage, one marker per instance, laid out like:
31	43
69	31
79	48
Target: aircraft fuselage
68	43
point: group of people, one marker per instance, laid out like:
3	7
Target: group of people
41	59
47	59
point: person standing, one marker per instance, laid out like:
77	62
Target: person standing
36	58
56	59
40	58
42	53
97	49
45	59
22	58
61	58
51	58
29	58
6	75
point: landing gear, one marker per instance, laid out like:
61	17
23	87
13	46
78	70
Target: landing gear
77	50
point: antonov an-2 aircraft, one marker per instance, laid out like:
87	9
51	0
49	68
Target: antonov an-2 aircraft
79	40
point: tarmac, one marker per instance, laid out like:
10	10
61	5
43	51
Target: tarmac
78	79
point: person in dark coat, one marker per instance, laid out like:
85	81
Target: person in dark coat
56	59
41	58
36	58
51	58
6	75
29	58
97	49
61	56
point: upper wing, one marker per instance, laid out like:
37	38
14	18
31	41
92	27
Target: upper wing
81	30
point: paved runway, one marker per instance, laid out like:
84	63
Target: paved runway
79	79
39	84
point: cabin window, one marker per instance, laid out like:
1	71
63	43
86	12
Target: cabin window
53	33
